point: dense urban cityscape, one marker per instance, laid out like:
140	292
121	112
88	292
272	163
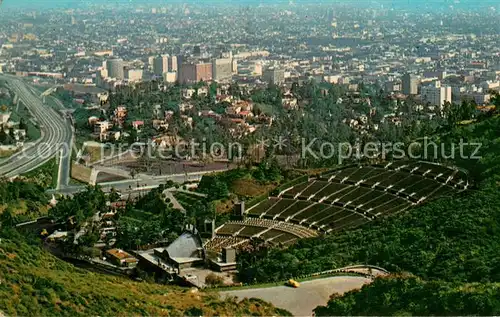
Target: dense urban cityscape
249	158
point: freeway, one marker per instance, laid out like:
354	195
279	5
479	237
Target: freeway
56	136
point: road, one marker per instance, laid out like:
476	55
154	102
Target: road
301	301
140	183
56	136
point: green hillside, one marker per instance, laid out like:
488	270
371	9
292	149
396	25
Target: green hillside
35	283
405	296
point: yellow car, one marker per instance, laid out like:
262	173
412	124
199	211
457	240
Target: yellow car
293	283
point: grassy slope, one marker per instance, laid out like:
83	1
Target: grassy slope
33	282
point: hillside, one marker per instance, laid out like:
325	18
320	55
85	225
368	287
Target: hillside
35	283
409	295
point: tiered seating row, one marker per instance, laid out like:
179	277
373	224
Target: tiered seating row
220	242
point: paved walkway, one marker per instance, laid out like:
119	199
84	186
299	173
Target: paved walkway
301	301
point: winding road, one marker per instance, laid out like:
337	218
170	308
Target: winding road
56	136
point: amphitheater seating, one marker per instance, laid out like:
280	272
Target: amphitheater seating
342	221
250	231
270	234
296	190
279	207
219	242
297	207
309	212
236	233
313	189
329	213
262	207
351	223
331	189
353	195
345	173
230	228
361	174
343	199
284	239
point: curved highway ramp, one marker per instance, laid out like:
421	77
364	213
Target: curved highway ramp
56	137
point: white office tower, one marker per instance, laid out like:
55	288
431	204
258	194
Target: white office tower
435	94
133	75
114	67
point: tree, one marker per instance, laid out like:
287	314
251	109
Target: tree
12	136
3	136
7	218
22	124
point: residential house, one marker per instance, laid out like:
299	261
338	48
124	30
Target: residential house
160	124
4	117
137	124
183	107
101	127
246	114
93	120
202	91
224	98
19	134
169	114
209	114
110	136
120	114
188	93
121	258
188	121
289	102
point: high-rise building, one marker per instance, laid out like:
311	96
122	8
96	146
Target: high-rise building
274	75
436	95
133	75
195	72
160	65
410	84
235	66
115	68
222	69
170	77
172	64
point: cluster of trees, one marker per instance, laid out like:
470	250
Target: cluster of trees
152	218
81	206
406	295
13	192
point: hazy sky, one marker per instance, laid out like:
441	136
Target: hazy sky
438	4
